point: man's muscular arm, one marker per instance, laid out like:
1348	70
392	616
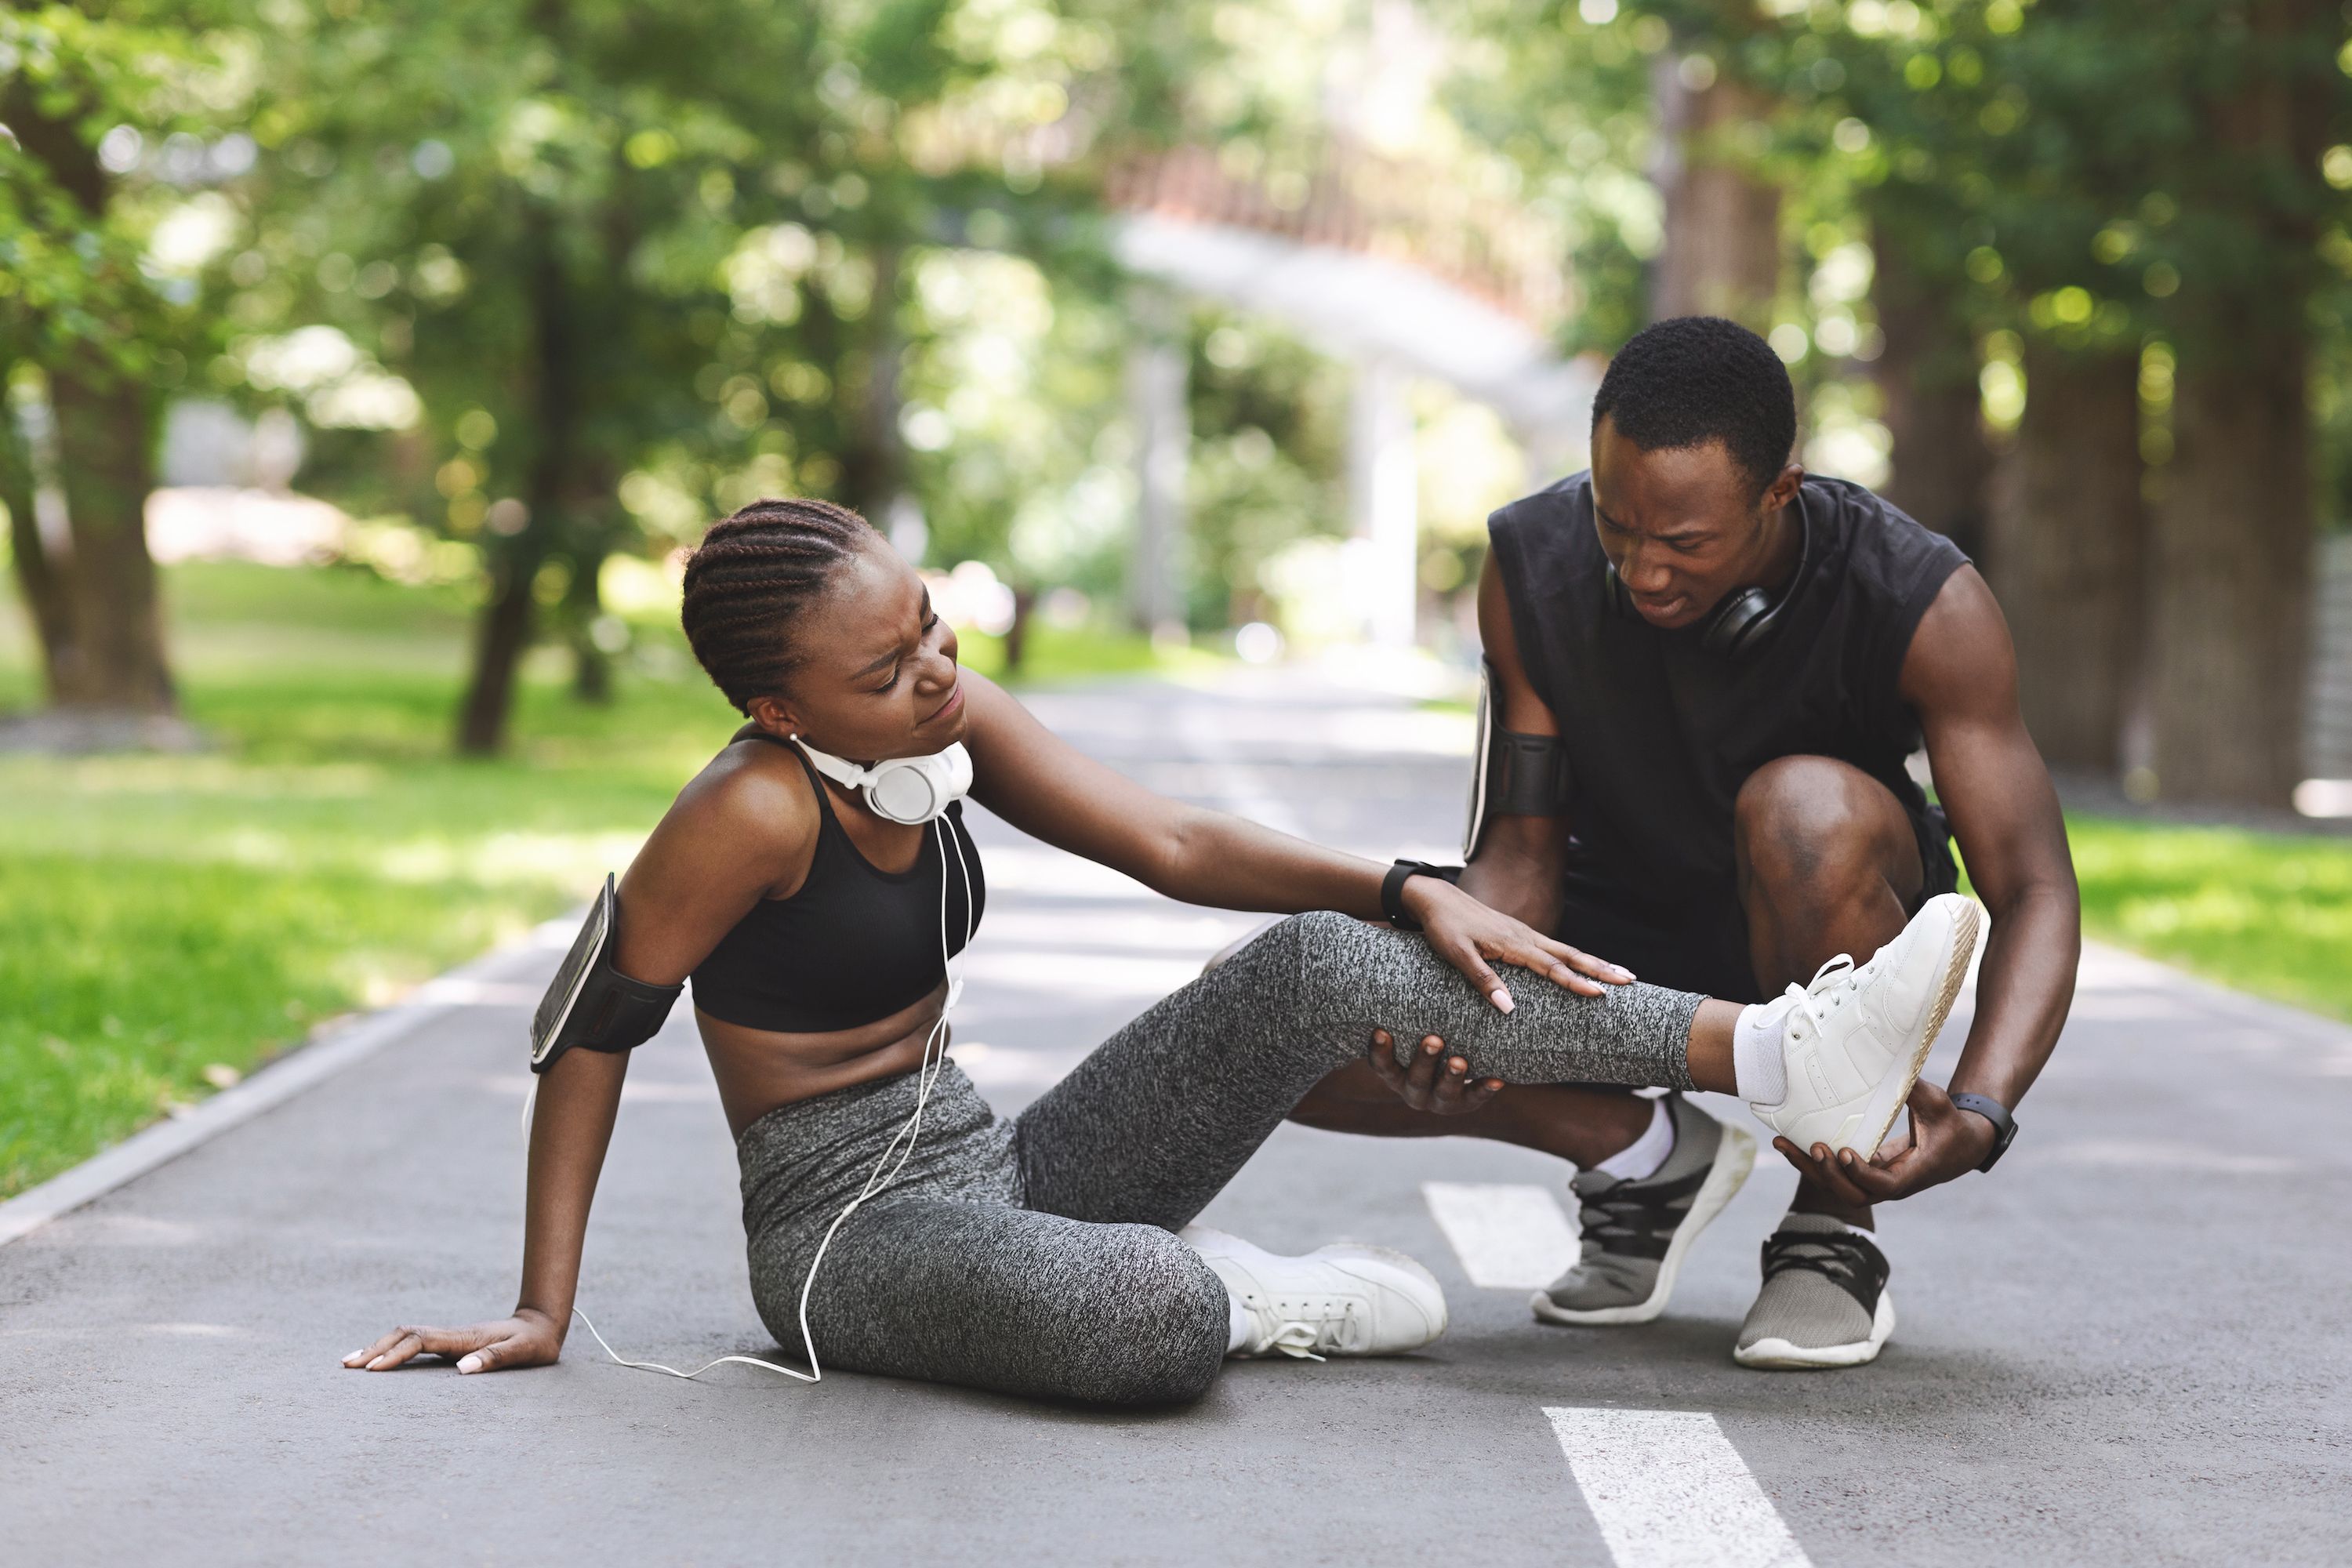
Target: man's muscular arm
1960	677
1518	866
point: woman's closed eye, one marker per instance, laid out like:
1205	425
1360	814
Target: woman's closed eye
931	623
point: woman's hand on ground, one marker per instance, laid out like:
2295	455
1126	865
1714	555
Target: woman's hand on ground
1942	1143
1466	934
1434	1081
530	1337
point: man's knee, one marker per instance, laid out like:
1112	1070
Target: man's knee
1814	823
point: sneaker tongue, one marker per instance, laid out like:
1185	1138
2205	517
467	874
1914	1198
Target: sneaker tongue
1591	1183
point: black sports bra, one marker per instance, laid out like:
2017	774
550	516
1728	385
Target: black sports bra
854	943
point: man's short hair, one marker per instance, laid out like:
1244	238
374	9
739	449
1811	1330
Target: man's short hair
1695	379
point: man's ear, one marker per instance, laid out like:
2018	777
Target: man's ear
1782	490
773	715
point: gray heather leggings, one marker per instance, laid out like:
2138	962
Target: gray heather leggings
1034	1256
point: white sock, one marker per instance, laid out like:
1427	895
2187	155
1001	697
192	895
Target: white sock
1639	1160
1237	1319
1756	1065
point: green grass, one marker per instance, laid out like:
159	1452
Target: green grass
2269	913
168	922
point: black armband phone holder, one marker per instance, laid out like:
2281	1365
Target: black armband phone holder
1512	774
590	1004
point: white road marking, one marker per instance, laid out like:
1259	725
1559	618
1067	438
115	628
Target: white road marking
1508	1238
1669	1491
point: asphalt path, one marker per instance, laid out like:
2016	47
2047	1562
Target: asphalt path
2131	1345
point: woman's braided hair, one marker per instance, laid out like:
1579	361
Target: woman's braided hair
750	577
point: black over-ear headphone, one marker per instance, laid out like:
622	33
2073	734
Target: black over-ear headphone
1744	621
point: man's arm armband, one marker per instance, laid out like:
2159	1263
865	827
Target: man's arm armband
590	1004
1512	774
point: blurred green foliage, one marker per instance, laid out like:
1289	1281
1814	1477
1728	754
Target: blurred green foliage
2092	171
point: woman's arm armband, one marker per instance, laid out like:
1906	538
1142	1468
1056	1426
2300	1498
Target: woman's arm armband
590	1003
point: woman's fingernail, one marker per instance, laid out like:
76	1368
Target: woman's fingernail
471	1363
1501	999
1623	969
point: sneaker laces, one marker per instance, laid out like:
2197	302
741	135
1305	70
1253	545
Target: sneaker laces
1851	1261
1832	983
1302	1337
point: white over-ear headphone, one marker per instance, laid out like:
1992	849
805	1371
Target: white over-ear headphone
907	790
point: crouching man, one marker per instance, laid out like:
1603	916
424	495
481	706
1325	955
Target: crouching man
1710	668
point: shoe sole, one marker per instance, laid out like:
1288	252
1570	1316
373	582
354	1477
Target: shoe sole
1896	1091
1780	1355
1734	1159
1404	1262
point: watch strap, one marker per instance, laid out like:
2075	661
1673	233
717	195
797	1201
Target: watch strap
2004	1125
1392	891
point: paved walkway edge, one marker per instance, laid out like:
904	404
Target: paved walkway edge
325	1054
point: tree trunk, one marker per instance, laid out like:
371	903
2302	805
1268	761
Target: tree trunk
2233	539
510	616
105	450
1930	400
106	461
502	637
44	576
873	458
2070	551
583	606
1016	636
1722	249
2233	522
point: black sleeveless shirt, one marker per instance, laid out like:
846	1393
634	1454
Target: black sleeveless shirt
1661	733
854	943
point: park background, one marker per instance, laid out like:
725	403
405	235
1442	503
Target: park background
369	363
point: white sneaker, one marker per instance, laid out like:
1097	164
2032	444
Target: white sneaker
1854	1041
1341	1300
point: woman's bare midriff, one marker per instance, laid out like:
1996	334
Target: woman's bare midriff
761	1070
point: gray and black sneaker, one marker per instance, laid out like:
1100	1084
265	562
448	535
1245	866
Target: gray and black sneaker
1824	1300
1636	1233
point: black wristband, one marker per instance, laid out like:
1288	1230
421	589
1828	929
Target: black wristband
1392	891
2004	1126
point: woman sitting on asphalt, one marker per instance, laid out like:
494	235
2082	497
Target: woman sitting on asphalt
1052	1254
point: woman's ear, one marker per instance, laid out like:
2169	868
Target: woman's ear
773	716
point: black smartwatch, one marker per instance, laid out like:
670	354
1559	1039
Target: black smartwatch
1392	891
2004	1125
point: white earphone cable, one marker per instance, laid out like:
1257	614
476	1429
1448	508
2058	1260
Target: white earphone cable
927	1073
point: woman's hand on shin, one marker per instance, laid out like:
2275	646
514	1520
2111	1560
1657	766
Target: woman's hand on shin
530	1337
1472	937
